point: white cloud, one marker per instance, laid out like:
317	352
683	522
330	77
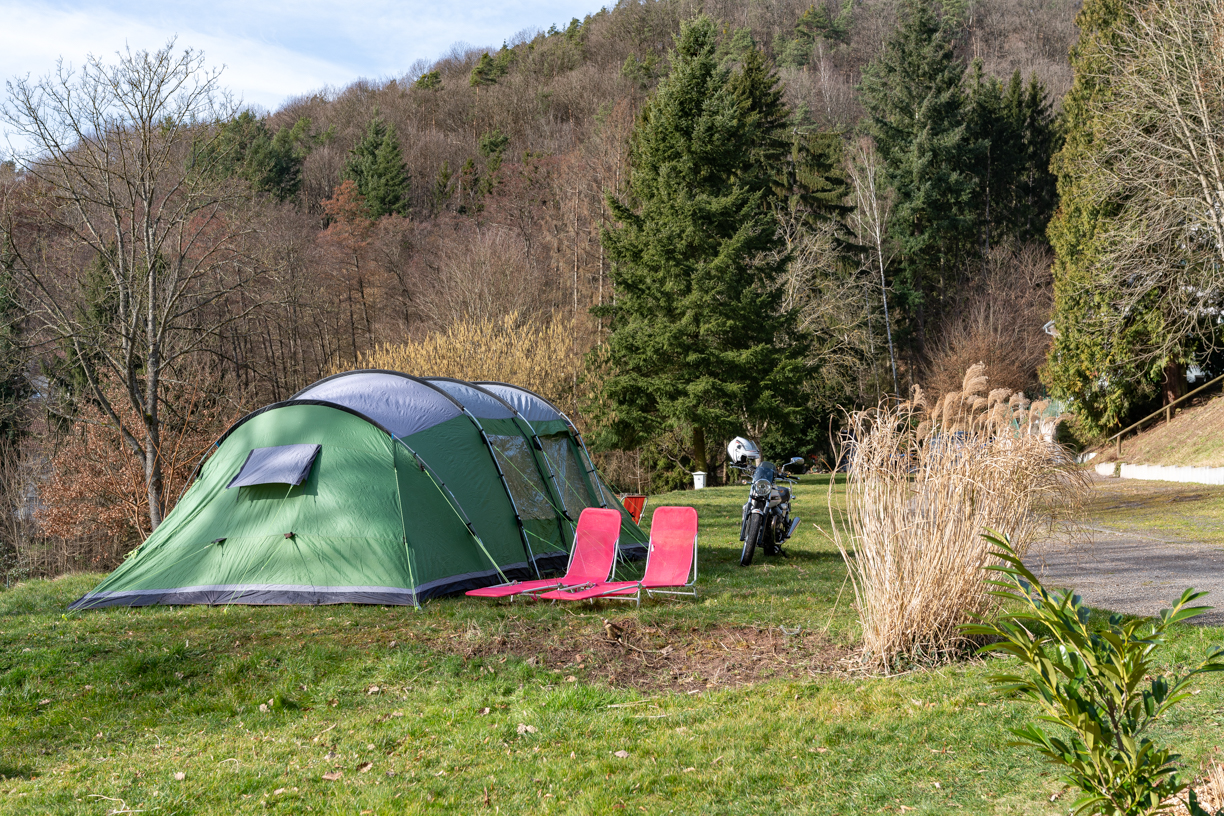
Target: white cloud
263	73
271	49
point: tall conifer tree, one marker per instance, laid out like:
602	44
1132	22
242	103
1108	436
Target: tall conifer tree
1002	142
1036	190
700	342
1091	362
917	111
376	165
272	163
1014	126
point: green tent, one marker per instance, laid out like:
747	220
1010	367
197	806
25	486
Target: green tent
372	487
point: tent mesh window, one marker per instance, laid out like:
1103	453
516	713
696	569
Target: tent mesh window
570	474
609	497
530	494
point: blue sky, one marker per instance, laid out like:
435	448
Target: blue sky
272	49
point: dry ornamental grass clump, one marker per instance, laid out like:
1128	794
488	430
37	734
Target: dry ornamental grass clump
924	483
1209	789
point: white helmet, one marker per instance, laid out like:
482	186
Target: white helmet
741	450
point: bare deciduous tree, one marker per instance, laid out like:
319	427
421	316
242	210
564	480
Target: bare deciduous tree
1000	324
827	295
126	156
1162	166
869	220
480	275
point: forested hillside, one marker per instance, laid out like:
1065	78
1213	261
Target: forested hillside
472	197
507	154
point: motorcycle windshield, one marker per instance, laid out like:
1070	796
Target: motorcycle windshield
765	470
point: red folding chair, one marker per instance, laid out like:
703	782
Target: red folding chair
591	560
635	505
671	563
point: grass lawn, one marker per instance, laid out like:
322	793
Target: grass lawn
475	707
1166	510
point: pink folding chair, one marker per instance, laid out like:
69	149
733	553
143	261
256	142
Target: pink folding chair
671	563
591	560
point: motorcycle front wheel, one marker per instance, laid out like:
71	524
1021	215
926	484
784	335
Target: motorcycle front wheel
751	534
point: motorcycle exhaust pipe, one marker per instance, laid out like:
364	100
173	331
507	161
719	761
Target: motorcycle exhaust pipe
794	526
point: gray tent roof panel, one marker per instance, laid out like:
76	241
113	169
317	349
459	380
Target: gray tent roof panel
283	464
534	408
477	401
400	404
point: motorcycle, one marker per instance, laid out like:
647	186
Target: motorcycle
766	520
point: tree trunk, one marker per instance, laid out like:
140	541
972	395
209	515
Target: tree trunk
1173	385
699	450
153	478
152	446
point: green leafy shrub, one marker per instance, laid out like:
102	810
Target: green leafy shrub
1103	686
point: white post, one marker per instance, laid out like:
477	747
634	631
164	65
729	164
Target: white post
699	479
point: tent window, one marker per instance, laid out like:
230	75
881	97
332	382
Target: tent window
570	474
285	464
526	486
610	498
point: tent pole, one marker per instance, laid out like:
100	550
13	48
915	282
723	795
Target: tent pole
560	498
455	505
592	475
399	500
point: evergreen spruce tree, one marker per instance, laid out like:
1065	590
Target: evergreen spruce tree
376	165
804	167
1014	125
1091	363
271	163
490	69
1036	188
992	125
756	91
699	342
917	112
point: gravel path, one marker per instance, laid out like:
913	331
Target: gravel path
1139	575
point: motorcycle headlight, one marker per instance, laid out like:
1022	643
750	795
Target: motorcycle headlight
761	487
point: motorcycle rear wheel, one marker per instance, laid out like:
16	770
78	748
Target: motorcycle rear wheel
751	535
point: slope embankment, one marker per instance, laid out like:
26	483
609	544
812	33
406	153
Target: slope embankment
1190	448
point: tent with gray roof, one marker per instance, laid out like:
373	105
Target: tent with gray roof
373	487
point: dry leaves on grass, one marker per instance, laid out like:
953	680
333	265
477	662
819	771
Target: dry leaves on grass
650	658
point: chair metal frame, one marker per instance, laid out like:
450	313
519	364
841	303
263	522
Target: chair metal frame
533	591
635	593
688	588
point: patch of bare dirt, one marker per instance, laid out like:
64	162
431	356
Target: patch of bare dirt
625	653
